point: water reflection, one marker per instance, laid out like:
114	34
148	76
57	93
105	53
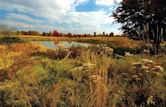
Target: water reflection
65	44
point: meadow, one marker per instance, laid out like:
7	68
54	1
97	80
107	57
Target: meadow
66	53
35	76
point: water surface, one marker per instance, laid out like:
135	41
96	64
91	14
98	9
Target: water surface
65	44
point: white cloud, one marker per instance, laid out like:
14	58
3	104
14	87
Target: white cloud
104	2
77	2
44	8
107	2
58	11
88	22
52	9
14	23
22	17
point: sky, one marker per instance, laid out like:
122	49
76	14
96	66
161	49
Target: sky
74	16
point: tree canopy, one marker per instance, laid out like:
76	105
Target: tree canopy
143	19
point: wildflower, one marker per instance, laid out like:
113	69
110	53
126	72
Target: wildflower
147	61
108	49
102	53
158	73
95	78
104	45
147	71
145	51
128	54
77	68
158	69
150	100
145	67
89	65
135	77
137	65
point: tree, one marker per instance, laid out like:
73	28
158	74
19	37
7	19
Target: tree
6	30
18	33
50	34
111	34
94	34
45	34
56	33
143	19
24	33
33	33
69	35
103	33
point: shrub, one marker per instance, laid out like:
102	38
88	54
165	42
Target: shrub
52	54
11	40
121	51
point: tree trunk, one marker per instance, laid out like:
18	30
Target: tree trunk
156	40
155	48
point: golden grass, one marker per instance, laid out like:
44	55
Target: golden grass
89	80
118	41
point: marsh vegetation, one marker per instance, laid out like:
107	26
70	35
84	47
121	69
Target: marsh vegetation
54	69
34	76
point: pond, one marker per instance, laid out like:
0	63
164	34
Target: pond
65	44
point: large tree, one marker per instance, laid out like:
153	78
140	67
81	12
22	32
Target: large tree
143	19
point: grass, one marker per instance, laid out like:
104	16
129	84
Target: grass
31	75
119	44
119	41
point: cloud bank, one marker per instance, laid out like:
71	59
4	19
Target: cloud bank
46	15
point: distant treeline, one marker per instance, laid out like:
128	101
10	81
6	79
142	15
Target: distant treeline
55	33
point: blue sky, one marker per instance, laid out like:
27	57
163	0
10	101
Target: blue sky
75	16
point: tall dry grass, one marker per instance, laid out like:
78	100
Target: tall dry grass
88	80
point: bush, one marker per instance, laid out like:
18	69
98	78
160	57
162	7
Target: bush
121	51
10	40
52	54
